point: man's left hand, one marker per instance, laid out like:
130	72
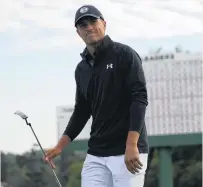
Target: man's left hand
132	161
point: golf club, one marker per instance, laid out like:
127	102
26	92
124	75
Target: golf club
23	116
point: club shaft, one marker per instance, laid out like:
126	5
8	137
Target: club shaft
57	180
38	140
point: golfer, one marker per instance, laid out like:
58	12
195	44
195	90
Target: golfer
110	87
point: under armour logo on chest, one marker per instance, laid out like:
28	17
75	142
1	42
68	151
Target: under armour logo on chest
109	66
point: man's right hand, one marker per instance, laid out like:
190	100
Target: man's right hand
54	152
51	154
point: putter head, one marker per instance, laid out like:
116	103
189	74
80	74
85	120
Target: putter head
22	115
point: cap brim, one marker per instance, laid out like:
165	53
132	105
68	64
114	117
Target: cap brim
86	15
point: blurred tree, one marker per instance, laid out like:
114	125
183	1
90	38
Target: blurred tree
3	167
151	177
75	174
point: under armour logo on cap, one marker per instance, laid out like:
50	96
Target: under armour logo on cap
84	9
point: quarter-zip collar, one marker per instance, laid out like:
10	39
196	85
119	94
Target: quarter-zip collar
100	50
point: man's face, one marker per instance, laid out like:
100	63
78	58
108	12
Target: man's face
91	30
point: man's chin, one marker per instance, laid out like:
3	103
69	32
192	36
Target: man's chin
93	42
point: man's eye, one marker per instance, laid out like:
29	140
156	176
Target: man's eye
94	21
82	25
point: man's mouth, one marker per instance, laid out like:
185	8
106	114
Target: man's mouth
91	34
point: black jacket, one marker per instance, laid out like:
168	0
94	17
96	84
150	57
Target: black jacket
112	91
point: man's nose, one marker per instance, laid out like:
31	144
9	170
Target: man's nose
89	26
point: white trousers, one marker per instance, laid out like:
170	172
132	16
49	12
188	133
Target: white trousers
111	172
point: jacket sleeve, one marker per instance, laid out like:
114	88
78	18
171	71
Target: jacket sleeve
80	115
136	83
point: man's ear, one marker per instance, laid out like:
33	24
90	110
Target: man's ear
104	23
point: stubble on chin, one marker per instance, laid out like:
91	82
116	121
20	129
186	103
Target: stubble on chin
95	43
